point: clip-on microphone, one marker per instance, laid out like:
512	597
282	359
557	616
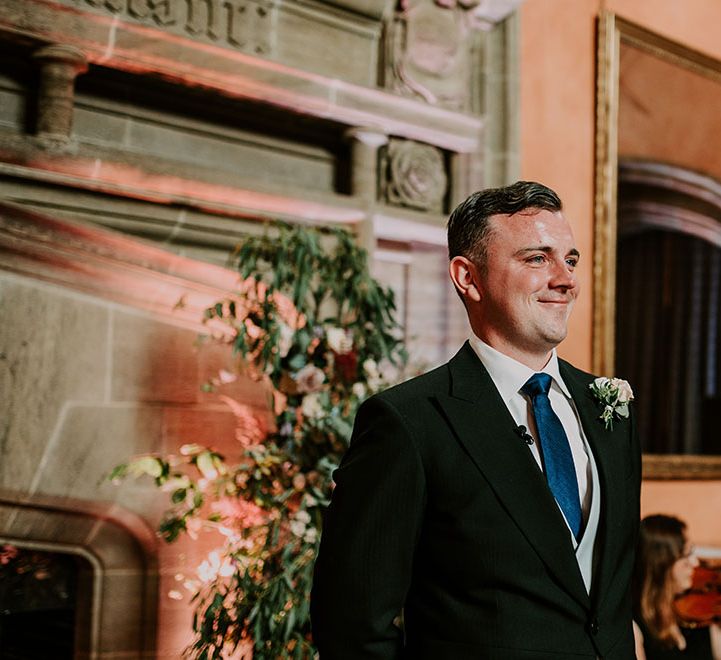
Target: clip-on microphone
523	433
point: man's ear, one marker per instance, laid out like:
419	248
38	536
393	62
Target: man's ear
465	277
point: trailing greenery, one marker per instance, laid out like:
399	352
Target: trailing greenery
319	332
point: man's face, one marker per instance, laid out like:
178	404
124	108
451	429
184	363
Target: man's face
529	285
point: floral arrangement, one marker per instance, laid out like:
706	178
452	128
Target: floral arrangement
319	332
615	395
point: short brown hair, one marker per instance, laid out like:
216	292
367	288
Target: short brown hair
468	226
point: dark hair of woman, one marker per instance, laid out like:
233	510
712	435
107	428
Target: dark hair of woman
661	543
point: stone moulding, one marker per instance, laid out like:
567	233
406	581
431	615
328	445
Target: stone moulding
117	174
111	42
112	266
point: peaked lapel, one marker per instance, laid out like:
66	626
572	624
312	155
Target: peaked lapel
486	429
610	449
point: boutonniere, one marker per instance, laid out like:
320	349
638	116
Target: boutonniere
614	394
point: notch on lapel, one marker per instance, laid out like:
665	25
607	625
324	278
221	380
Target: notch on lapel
486	429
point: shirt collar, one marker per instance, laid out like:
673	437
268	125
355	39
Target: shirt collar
509	375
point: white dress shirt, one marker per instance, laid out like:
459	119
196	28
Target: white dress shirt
509	376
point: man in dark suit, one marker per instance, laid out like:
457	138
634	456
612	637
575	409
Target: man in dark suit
484	510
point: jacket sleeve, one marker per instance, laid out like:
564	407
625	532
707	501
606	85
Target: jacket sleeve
363	569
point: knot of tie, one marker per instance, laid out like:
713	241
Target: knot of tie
537	384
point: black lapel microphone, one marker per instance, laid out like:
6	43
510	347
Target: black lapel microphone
523	433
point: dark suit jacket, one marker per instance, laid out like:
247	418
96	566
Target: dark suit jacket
440	509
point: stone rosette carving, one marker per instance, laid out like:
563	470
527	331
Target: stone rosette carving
414	175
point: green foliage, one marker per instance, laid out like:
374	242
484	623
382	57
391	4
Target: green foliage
312	324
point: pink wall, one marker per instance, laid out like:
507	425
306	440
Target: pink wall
696	502
557	129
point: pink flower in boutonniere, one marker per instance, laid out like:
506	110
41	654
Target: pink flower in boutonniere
614	394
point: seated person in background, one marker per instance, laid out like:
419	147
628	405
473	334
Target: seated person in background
665	562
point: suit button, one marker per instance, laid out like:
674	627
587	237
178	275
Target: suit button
594	627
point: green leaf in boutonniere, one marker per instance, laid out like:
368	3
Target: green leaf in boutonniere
614	394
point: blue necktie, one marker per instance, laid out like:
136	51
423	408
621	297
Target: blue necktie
556	452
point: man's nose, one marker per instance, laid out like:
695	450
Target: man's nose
563	276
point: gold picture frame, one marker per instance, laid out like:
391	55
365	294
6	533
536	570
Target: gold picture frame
612	32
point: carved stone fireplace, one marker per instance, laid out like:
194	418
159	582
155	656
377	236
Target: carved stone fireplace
139	140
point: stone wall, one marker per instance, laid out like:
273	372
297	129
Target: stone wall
89	380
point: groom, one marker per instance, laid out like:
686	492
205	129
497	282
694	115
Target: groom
484	510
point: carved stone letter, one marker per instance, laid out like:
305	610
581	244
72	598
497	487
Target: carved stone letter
249	25
165	12
236	11
116	6
203	17
138	8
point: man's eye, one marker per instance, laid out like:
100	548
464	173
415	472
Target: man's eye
572	262
537	259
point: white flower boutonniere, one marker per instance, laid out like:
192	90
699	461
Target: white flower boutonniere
615	394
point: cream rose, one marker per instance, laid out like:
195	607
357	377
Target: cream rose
311	406
625	393
339	340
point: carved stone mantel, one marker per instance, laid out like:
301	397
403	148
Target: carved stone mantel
109	41
201	47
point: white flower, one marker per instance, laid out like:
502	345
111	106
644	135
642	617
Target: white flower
285	341
625	393
373	375
311	535
371	368
615	395
311	406
309	378
303	516
225	376
212	567
297	527
359	390
339	340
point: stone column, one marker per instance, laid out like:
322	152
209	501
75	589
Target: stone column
365	143
59	66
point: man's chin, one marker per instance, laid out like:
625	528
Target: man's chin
556	336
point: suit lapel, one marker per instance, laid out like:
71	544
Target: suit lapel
607	447
486	429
